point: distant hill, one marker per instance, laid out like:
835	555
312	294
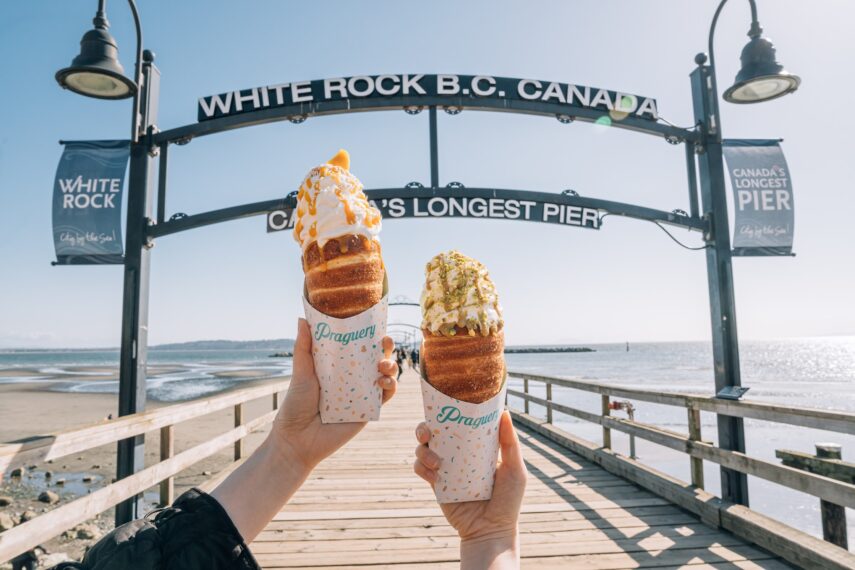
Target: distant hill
283	344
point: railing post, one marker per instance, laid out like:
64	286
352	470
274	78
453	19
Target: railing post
167	448
275	400
238	423
696	463
525	389
833	516
549	404
607	433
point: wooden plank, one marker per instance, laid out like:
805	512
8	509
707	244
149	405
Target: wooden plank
362	542
605	411
525	390
60	444
651	546
696	465
44	527
327	513
549	403
238	416
832	468
167	448
526	518
629	525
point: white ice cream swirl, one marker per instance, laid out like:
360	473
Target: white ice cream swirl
331	204
459	293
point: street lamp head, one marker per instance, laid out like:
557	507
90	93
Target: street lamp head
761	78
96	72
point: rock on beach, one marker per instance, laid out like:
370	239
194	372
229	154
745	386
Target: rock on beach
48	497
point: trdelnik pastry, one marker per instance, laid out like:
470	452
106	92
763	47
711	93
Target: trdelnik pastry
338	230
463	329
463	374
345	294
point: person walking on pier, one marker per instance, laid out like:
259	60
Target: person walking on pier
399	359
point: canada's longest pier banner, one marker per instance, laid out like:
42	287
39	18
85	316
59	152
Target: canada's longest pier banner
498	206
398	88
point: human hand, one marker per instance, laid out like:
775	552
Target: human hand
298	428
488	529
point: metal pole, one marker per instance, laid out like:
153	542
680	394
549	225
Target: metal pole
132	362
731	435
434	149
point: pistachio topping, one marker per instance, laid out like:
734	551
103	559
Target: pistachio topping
459	296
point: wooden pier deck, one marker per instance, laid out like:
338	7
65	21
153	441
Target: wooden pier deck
364	507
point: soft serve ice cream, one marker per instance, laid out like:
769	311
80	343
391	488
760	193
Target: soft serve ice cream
331	203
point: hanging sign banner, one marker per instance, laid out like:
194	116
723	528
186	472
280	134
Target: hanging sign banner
762	197
401	90
87	202
468	203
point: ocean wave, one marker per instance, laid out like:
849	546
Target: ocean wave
63	372
25	379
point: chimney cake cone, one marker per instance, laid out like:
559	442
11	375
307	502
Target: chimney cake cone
345	296
462	329
463	375
338	229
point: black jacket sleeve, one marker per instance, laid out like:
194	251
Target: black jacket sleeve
194	533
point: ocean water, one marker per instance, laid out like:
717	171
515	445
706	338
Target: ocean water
810	372
174	375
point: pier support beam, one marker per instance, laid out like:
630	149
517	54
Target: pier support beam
731	435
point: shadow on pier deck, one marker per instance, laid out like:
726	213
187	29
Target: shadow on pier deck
365	507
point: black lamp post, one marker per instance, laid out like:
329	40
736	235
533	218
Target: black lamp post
96	72
761	78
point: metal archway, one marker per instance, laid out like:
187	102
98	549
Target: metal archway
702	146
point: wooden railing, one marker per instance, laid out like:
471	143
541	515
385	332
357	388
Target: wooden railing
44	448
692	443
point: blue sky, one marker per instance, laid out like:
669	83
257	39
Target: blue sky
625	282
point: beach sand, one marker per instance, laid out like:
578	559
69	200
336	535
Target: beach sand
27	409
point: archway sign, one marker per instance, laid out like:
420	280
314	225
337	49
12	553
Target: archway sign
414	93
453	94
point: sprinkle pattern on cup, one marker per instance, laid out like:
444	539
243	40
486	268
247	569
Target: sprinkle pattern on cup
346	353
465	436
